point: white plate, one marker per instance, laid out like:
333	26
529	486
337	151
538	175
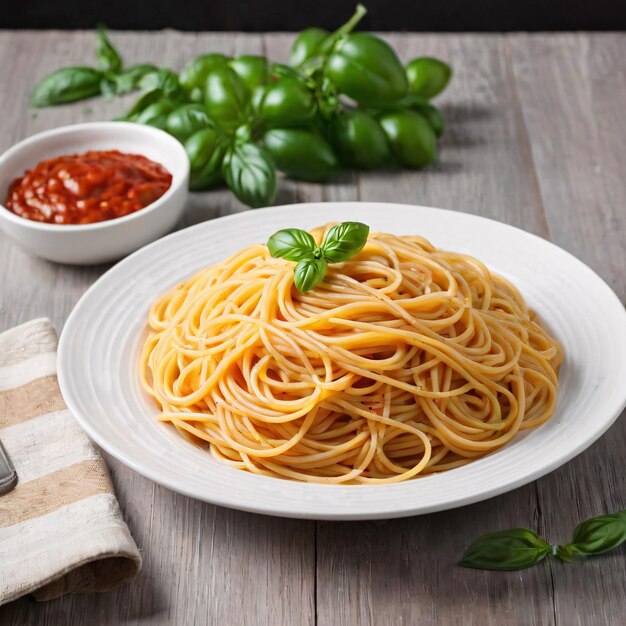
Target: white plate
98	357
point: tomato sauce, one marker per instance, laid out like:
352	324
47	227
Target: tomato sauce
87	188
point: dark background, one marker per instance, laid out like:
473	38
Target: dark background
276	15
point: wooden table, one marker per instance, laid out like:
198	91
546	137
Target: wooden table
536	138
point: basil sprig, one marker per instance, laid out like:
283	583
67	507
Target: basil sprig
342	242
519	548
110	78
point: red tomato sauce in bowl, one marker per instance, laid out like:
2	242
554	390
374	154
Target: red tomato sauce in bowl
87	188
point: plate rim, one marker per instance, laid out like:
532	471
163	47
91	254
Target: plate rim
270	509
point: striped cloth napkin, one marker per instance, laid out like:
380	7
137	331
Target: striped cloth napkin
61	528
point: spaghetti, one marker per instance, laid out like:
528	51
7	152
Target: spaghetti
405	360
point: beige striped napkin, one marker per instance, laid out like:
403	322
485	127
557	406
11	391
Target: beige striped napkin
61	528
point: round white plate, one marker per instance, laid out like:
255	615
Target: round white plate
99	347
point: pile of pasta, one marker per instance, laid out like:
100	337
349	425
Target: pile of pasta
406	360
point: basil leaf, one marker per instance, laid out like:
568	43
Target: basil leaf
107	87
513	549
595	536
147	99
163	79
128	80
108	57
186	120
205	149
156	114
67	84
344	241
250	173
292	244
309	272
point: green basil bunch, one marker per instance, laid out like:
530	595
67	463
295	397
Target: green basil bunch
520	548
341	243
345	101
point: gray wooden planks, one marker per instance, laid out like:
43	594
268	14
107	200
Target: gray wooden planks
535	139
574	112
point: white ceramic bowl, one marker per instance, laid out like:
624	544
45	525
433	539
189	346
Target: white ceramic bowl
110	240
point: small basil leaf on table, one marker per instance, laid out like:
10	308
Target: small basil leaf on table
67	84
108	57
250	174
513	549
308	273
595	536
292	244
344	241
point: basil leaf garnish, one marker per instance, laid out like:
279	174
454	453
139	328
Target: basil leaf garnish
292	244
309	273
108	57
344	241
513	549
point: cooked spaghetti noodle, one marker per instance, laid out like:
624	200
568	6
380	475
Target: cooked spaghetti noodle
405	360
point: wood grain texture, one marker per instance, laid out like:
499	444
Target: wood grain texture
536	138
574	112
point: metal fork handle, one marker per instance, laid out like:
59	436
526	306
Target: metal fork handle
8	475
